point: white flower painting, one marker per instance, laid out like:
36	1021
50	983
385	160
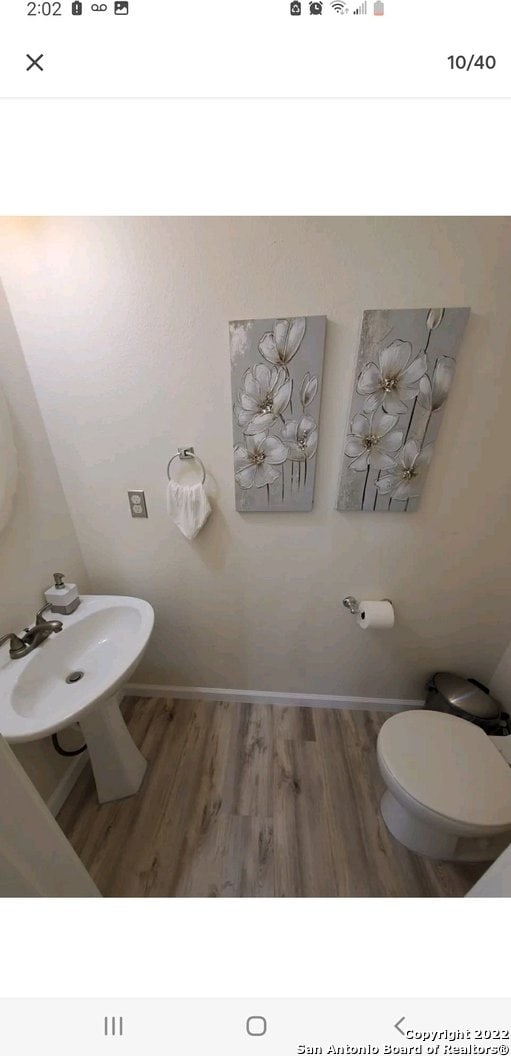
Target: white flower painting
276	368
405	369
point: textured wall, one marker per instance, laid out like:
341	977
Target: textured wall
39	538
123	323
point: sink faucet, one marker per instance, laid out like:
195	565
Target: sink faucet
21	645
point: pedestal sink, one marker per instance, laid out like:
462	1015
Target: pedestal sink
76	676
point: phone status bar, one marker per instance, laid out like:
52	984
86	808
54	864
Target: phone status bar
337	7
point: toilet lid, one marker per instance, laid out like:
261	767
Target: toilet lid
448	765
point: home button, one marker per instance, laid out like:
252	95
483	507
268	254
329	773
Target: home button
256	1026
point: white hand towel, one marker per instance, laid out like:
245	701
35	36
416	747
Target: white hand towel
188	506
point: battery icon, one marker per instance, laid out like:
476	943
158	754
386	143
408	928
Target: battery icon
76	7
379	7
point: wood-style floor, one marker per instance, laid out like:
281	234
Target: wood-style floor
251	800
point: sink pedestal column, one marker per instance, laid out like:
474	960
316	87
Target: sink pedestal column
117	764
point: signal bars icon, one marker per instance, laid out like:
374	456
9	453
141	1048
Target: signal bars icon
378	8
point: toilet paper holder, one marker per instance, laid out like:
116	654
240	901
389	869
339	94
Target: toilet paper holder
353	605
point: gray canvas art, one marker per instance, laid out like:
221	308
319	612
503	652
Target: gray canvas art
276	367
405	368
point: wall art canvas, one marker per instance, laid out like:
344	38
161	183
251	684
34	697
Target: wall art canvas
405	368
276	369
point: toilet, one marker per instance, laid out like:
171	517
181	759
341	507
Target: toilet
448	786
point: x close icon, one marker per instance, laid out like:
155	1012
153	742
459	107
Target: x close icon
35	62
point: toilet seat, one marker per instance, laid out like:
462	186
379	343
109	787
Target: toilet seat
447	771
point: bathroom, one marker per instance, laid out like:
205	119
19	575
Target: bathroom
258	700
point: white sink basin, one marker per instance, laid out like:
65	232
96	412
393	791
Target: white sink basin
102	642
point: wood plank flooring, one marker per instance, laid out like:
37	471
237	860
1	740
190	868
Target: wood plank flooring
251	800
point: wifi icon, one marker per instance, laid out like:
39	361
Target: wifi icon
340	7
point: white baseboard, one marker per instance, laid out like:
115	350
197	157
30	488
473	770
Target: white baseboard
256	696
66	783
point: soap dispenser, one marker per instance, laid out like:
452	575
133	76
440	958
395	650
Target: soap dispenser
63	597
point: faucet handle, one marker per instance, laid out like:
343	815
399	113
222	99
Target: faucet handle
16	645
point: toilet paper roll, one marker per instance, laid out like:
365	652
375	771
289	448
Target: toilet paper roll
375	615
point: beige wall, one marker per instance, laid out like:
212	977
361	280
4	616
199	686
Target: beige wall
124	326
39	538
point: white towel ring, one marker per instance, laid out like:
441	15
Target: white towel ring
185	453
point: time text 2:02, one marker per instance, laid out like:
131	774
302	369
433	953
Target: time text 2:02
46	8
472	62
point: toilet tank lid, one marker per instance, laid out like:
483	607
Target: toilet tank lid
464	696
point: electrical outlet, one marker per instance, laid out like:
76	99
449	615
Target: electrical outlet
138	505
